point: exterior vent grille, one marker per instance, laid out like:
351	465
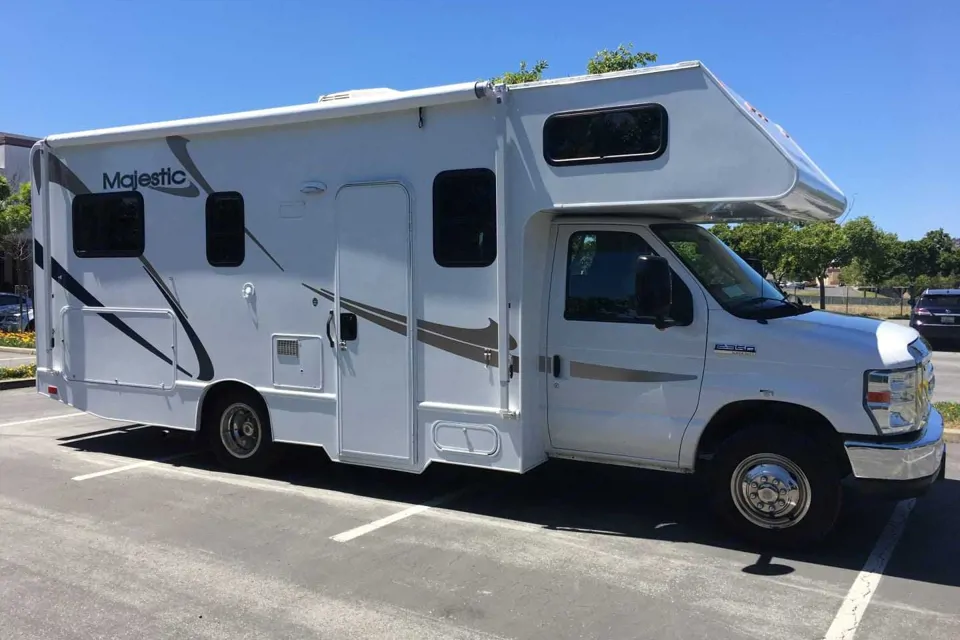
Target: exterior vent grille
288	347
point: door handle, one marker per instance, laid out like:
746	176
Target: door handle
556	366
329	337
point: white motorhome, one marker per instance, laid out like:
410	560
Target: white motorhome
478	275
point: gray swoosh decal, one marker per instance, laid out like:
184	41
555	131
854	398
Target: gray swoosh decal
178	146
183	192
587	371
448	338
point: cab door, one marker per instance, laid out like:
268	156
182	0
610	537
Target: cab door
618	386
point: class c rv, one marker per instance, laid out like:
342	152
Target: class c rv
480	275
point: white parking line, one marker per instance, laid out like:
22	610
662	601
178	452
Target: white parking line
356	532
44	419
848	618
134	465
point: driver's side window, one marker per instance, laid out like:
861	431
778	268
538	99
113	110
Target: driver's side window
601	279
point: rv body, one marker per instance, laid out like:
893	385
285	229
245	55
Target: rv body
453	275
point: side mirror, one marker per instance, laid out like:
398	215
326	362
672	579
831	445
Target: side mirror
653	287
756	265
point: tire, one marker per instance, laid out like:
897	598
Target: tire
789	468
239	434
30	327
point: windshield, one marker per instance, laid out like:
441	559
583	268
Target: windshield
728	278
9	299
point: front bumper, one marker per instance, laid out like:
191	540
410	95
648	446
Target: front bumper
900	468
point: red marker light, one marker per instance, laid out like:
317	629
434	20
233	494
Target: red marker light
52	391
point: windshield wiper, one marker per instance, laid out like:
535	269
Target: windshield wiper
770	313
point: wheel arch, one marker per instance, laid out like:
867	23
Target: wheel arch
213	392
735	416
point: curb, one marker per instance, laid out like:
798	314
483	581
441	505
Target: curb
18	350
17	383
951	435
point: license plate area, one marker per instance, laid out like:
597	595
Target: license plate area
947	319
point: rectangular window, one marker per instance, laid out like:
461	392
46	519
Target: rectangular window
601	279
619	134
465	218
226	230
108	225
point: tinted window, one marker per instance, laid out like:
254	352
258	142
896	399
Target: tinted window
226	241
108	225
8	299
465	218
601	283
939	301
608	135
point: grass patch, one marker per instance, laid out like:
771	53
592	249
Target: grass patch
15	373
950	412
20	340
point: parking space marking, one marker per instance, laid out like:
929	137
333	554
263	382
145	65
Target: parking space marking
356	532
848	618
60	416
134	465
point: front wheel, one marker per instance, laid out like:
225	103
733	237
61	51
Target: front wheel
774	486
239	433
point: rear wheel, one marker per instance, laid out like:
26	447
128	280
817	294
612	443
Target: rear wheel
775	486
238	430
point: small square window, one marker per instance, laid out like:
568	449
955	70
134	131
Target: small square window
226	232
465	218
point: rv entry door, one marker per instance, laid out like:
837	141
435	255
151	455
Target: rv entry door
618	386
370	331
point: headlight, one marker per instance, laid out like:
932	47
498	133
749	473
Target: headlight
899	401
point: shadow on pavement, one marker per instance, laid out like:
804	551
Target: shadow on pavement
591	498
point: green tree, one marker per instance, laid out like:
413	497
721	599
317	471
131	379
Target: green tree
523	74
15	220
770	242
620	59
818	247
873	252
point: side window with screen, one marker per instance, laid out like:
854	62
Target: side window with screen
619	134
601	282
465	218
226	230
108	225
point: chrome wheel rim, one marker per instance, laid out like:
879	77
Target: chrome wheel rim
240	430
770	491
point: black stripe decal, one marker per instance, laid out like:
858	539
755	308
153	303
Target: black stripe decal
78	291
203	358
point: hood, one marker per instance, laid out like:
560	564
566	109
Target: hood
860	342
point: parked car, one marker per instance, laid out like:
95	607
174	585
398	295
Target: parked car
936	315
16	312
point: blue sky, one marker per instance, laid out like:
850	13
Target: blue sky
869	88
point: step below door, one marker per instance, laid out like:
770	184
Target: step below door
374	350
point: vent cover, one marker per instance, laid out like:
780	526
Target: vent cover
287	347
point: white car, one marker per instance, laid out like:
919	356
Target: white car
16	312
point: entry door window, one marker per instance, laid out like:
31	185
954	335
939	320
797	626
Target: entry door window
601	284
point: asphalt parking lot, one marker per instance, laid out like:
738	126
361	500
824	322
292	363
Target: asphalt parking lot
124	531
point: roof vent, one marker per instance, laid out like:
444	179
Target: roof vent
357	94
